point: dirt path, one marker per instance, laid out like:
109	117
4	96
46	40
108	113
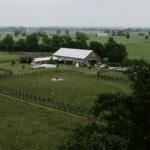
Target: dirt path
51	109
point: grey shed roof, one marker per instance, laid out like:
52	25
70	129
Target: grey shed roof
72	53
30	56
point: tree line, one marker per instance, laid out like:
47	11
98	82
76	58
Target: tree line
127	117
41	42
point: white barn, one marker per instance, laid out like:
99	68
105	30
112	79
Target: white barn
102	34
73	56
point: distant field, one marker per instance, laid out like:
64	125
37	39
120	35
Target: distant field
137	47
74	89
8	56
26	127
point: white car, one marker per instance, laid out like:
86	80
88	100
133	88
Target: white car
103	66
119	69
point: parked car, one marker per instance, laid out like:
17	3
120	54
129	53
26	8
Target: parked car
119	69
104	66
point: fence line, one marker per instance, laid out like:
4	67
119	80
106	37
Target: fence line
50	102
8	61
98	75
7	72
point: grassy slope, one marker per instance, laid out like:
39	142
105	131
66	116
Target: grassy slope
74	89
25	127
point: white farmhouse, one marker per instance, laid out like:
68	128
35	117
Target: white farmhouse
102	34
73	56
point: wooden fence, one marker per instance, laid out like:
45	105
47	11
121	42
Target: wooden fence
99	75
49	102
6	73
8	61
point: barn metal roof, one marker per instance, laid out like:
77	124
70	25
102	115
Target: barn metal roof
30	56
42	59
73	53
45	59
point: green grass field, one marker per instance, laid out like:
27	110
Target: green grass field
137	47
74	89
8	56
27	127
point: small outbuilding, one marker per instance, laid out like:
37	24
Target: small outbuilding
101	34
28	58
80	56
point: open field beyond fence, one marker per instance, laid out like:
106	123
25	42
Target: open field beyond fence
75	89
24	126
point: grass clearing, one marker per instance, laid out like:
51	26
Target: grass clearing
24	126
74	89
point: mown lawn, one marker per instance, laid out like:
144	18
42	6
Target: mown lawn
74	89
27	127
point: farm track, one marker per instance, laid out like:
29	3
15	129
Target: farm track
52	109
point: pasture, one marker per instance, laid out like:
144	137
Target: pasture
73	89
9	56
24	126
137	47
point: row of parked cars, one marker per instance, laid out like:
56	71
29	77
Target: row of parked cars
118	69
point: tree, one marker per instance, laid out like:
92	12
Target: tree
23	34
20	45
32	42
68	42
128	35
8	42
141	34
58	32
92	137
146	37
113	33
98	49
67	32
107	31
57	42
128	115
16	33
121	33
149	33
81	39
116	53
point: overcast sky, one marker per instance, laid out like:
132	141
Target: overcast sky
113	13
